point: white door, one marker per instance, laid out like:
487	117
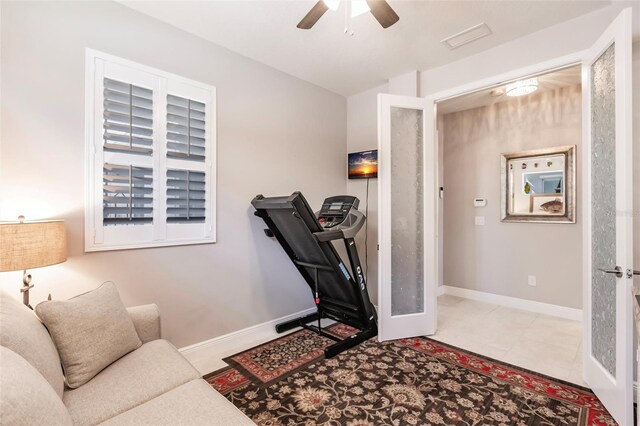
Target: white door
608	221
406	218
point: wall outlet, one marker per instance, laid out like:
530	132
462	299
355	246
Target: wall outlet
531	280
479	220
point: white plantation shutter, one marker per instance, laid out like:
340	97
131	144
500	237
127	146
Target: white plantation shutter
151	165
127	195
128	117
186	128
185	196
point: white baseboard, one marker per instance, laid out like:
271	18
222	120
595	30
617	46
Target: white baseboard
513	302
230	343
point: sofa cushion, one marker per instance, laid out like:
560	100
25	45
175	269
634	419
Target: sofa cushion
194	403
27	398
153	369
91	331
23	333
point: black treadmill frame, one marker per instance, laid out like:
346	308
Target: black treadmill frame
359	314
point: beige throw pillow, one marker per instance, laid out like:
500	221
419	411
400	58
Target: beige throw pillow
90	331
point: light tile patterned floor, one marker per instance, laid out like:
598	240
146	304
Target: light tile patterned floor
542	343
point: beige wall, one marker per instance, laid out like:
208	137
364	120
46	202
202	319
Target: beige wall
498	257
362	135
276	134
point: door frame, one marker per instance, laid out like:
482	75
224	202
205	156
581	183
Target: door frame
558	63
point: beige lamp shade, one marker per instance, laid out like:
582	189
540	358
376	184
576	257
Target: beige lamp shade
28	245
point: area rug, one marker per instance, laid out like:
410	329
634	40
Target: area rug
415	381
274	360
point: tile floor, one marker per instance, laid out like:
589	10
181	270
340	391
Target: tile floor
542	343
537	342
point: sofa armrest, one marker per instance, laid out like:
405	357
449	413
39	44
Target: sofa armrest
146	319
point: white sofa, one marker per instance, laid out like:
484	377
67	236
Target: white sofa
153	385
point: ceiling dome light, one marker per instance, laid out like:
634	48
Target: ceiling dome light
522	87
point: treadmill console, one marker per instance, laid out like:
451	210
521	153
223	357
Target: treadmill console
335	210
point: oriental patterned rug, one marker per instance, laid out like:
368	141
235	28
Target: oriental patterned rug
415	381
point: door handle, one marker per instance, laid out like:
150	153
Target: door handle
617	271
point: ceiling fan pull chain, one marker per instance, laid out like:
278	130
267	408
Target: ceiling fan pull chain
348	19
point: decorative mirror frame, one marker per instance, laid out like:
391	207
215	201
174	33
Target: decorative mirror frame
569	215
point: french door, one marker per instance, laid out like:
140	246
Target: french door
406	218
608	219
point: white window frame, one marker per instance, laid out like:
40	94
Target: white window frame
160	233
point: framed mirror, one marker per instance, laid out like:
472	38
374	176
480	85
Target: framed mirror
539	185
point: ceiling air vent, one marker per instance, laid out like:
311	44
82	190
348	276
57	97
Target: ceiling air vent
467	36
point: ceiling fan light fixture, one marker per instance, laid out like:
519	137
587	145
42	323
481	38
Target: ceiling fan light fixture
359	7
522	87
380	9
332	4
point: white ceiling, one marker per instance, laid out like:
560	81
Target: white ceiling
549	81
266	31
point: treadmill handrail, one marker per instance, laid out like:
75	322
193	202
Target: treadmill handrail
324	236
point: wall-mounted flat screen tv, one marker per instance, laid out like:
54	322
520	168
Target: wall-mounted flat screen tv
363	165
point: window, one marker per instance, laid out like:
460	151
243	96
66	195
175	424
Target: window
150	157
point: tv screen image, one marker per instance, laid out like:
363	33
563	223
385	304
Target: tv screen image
363	165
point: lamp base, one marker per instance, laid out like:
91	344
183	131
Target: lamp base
26	286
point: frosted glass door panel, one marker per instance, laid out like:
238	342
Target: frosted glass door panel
407	212
608	218
603	210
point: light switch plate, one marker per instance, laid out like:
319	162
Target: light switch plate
479	202
479	220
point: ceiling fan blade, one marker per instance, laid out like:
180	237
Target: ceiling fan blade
312	17
383	13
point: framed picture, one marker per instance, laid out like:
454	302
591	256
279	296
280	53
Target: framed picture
363	165
539	185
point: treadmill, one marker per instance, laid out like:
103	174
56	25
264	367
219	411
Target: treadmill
307	237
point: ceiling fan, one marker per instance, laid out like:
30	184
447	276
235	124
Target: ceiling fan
380	10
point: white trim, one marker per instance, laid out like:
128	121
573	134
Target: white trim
500	79
515	303
236	341
440	290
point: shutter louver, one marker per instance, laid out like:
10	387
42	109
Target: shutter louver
185	196
185	128
128	118
127	195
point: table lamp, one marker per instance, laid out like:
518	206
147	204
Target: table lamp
28	245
